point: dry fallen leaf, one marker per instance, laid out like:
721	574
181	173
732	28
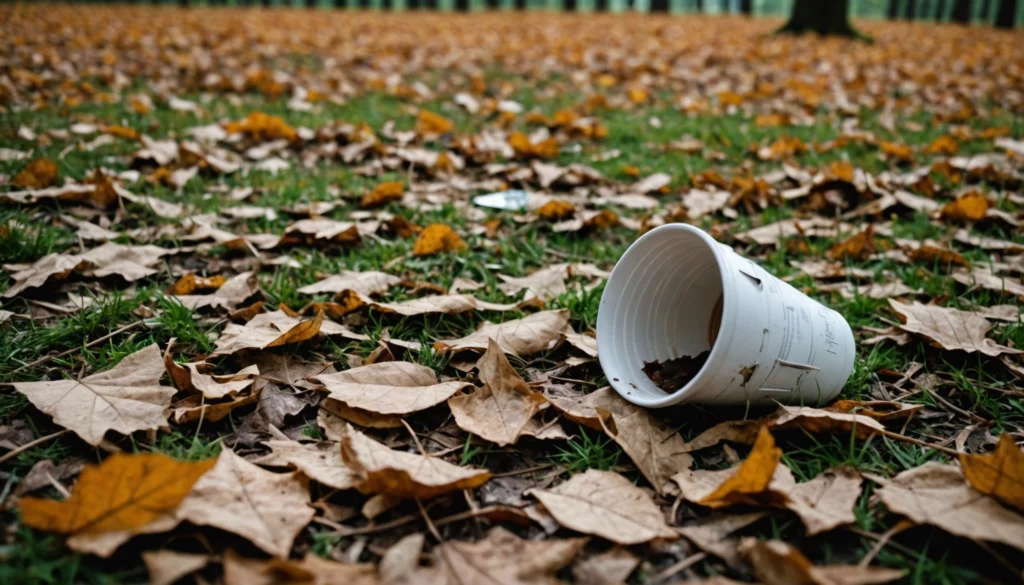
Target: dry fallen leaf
605	504
778	563
971	206
227	297
268	509
38	174
827	501
501	410
274	330
365	283
999	474
939	495
611	567
537	332
125	492
126	398
381	470
190	283
503	557
949	328
311	570
750	480
166	567
428	122
437	238
383	194
320	461
656	449
389	387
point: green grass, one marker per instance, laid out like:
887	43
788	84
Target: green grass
32	233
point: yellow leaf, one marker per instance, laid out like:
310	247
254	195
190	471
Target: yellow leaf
897	152
383	194
943	145
428	122
437	238
637	95
263	127
122	132
38	174
556	210
752	476
190	283
971	206
857	247
729	98
999	474
124	492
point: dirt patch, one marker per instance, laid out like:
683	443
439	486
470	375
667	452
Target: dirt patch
671	375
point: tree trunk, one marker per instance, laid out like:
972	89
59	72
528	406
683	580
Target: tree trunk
570	5
940	10
961	12
520	4
746	7
462	5
340	3
493	4
894	9
985	4
699	7
659	5
911	13
825	18
601	6
1007	14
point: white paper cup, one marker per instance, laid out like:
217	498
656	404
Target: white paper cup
772	342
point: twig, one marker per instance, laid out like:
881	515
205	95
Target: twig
881	542
430	523
876	537
15	452
373	529
45	359
573	381
907	439
958	410
679	567
522	471
1014	570
415	439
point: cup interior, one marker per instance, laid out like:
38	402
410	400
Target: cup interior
662	301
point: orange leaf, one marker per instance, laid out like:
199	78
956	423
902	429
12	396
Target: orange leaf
971	206
942	145
383	194
38	174
428	122
556	210
124	492
999	474
437	238
190	283
637	95
752	476
263	127
857	247
122	132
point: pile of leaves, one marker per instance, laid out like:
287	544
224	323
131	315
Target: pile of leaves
254	330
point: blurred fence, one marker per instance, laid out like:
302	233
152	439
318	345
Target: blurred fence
981	11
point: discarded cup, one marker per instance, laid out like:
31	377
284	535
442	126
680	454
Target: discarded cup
677	293
514	200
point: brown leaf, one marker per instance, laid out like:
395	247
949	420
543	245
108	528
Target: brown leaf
195	407
971	206
999	474
268	509
333	414
190	377
125	399
656	449
40	272
166	567
38	174
611	567
190	283
532	334
939	495
503	557
227	297
312	570
428	122
321	461
858	247
365	283
125	492
605	504
712	534
403	475
383	194
827	501
389	387
778	563
556	210
275	329
437	238
949	328
501	410
400	564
